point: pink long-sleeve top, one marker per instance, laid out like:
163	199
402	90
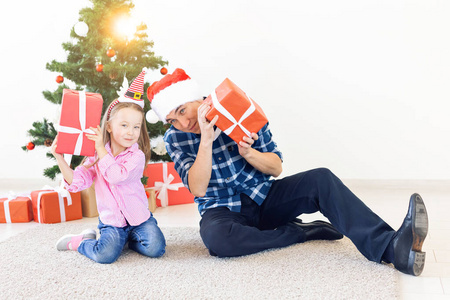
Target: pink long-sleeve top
119	191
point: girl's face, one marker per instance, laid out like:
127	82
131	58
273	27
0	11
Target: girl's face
124	128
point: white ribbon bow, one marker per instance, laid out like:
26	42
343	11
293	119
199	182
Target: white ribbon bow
161	188
11	196
228	115
82	117
62	193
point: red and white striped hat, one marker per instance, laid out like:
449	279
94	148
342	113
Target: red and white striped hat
172	91
133	94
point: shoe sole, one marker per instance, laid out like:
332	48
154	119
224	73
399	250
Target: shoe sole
416	260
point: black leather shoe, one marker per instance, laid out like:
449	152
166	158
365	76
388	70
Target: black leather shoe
318	230
408	240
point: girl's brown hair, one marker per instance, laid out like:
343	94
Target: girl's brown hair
143	141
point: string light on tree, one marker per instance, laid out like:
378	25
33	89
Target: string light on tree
99	67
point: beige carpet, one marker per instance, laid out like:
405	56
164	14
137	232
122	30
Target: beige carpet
31	268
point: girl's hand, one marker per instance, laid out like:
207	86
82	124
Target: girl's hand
206	127
245	145
97	137
53	149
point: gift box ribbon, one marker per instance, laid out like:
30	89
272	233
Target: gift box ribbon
230	117
11	196
161	188
82	118
62	193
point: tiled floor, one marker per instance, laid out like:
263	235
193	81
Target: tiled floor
389	199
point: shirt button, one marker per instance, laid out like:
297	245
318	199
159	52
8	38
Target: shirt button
228	178
220	158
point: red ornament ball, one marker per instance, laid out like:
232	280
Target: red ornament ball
30	146
110	52
163	71
59	79
99	68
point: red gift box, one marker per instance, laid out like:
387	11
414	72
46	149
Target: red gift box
239	115
56	205
79	111
16	209
167	184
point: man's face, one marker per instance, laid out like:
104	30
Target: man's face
184	117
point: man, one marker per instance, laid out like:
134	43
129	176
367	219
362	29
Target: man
244	210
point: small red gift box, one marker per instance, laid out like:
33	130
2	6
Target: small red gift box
79	111
239	115
167	184
56	205
16	209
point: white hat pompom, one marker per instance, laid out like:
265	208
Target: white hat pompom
151	117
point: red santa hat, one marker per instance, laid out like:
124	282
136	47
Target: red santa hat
172	91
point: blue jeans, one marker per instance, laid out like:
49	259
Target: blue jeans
226	233
146	239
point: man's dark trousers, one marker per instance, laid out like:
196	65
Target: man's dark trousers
258	228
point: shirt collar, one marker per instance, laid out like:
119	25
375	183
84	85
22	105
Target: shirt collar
132	148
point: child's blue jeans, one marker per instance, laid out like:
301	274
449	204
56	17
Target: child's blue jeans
146	239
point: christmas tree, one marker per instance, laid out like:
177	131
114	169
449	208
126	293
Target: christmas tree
104	49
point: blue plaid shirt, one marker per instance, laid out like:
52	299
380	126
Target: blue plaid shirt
231	174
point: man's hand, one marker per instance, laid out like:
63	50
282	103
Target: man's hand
206	127
245	145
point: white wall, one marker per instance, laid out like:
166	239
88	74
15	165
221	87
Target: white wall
361	87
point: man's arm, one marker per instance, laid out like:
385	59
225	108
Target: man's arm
200	172
265	162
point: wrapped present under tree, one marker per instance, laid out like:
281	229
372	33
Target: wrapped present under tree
167	184
15	208
55	205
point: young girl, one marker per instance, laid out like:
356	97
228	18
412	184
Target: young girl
122	151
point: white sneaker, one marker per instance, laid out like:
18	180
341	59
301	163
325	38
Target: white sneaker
72	241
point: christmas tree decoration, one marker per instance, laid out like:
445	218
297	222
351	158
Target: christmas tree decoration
30	146
159	146
113	75
110	52
48	142
99	67
163	71
81	29
59	79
